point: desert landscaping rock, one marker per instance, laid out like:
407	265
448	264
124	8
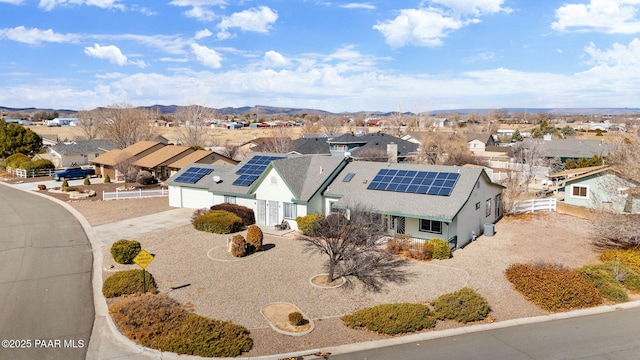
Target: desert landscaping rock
277	314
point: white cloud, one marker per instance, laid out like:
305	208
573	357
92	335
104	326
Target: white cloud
256	19
203	34
620	57
36	36
275	59
474	7
49	5
200	9
207	57
110	52
419	27
365	6
608	16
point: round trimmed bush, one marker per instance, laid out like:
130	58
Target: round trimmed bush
464	305
87	181
219	222
392	319
124	251
15	161
255	237
440	249
107	179
144	178
246	214
296	318
128	282
238	246
65	183
307	224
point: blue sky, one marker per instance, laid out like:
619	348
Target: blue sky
331	55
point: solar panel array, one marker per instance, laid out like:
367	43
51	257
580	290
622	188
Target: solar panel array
192	175
417	182
252	170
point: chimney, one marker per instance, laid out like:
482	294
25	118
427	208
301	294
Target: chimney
392	152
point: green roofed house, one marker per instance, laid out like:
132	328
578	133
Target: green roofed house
426	202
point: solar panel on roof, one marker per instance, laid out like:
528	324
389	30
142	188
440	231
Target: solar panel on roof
415	182
252	170
192	175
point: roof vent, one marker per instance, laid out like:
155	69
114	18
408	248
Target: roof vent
217	179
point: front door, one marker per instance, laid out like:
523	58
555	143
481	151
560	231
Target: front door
274	219
262	212
400	224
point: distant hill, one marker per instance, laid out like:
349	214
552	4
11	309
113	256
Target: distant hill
273	110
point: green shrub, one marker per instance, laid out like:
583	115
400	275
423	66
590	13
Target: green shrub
553	287
65	183
38	164
629	257
307	224
128	282
15	161
255	237
205	337
124	251
601	276
296	318
464	305
238	246
87	181
245	213
159	322
107	179
441	249
392	319
219	222
69	188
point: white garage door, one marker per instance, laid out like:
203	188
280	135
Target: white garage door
196	198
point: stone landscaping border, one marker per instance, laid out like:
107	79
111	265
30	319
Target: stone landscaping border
277	315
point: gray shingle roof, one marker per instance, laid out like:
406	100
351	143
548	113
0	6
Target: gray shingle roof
433	207
83	147
305	174
571	148
316	145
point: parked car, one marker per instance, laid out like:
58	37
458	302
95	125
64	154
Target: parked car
75	172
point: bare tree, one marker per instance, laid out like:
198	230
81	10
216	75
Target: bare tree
90	123
530	158
352	247
331	124
613	230
125	125
279	142
192	124
437	146
124	168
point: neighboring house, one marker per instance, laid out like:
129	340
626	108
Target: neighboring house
566	149
157	162
107	163
201	157
416	200
310	146
78	152
478	142
62	122
601	188
372	147
454	209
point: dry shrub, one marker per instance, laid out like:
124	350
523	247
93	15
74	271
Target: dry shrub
553	287
402	245
159	322
255	237
392	319
246	214
296	318
629	258
238	246
198	213
218	222
129	282
464	305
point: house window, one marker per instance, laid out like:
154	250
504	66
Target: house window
580	191
498	206
290	211
478	205
340	147
230	199
431	226
487	212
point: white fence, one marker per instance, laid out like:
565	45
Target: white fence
134	194
530	206
31	173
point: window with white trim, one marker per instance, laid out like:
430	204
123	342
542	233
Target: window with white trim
290	211
230	199
487	212
579	191
431	226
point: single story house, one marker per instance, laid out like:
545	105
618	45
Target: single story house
372	147
157	162
450	203
479	141
602	188
78	152
109	162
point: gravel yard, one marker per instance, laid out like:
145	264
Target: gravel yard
233	289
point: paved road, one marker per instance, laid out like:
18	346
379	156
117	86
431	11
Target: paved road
46	298
612	335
